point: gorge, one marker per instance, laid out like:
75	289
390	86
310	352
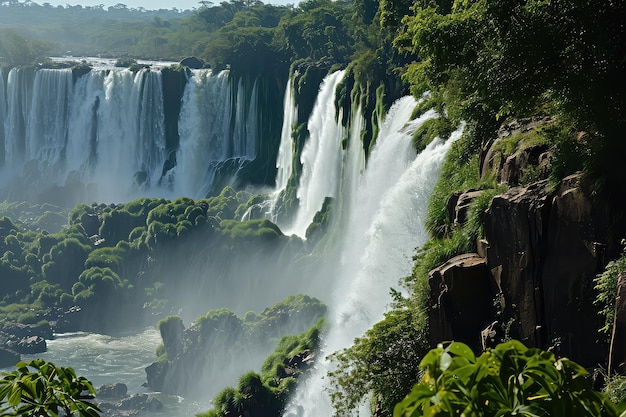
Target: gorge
340	193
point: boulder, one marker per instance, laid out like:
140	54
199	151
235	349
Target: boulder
28	345
136	404
140	402
8	357
155	375
192	62
462	291
112	391
583	235
20	330
544	249
493	160
515	165
463	203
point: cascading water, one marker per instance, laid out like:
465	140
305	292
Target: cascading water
18	92
384	227
284	161
285	151
202	127
47	126
107	128
3	107
321	155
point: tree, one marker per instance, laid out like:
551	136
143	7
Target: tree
17	50
39	388
510	58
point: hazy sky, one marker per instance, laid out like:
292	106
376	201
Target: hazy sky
147	4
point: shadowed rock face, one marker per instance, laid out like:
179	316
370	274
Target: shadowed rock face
543	249
462	288
515	229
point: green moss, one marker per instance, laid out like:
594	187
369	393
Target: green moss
440	127
460	171
321	222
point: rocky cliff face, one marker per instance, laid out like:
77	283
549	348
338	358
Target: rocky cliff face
533	276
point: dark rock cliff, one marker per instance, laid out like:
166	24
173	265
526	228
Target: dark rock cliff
532	279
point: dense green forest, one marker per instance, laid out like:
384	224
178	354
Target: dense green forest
486	63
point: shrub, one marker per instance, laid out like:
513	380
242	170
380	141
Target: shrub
606	287
510	379
39	388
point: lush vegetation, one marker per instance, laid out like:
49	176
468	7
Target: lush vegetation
39	388
510	379
266	394
220	340
108	253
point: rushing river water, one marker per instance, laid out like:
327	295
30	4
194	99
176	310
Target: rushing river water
123	358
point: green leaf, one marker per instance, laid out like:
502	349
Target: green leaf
462	350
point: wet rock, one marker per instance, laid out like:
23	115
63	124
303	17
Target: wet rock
112	391
155	375
28	345
19	330
192	62
136	404
140	402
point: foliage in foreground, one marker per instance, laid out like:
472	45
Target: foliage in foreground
39	388
510	379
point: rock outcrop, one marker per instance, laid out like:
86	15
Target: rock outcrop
542	249
8	357
462	290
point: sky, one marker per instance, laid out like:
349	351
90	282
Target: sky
146	4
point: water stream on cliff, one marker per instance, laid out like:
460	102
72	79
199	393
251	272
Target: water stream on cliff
321	156
384	228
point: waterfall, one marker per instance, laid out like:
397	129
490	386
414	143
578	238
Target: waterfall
285	151
3	106
105	131
385	224
202	127
18	92
47	124
149	150
321	155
